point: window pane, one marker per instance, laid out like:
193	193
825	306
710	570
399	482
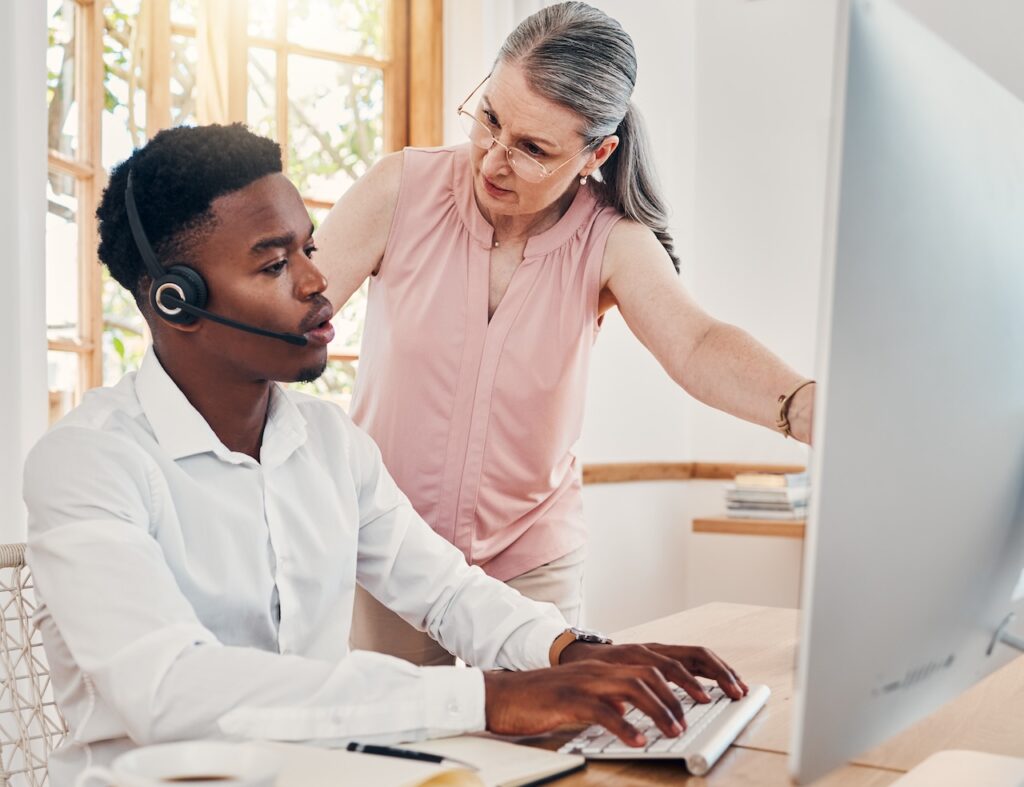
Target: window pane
335	383
353	27
348	323
61	93
184	62
316	215
62	381
335	124
62	265
263	18
184	12
261	106
124	101
124	332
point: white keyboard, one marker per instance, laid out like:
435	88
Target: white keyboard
711	727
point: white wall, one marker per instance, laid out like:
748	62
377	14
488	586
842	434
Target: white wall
22	221
742	189
764	75
639	533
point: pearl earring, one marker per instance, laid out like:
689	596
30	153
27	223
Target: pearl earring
583	180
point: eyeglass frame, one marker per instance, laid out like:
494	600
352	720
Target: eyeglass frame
508	151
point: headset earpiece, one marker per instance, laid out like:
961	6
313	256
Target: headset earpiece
178	293
180	282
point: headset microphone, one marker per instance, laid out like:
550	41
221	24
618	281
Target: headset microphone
178	292
171	299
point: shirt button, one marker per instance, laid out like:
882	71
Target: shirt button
453	707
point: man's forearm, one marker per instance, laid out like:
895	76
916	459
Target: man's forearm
733	372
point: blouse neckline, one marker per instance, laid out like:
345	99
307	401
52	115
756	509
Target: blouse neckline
481	230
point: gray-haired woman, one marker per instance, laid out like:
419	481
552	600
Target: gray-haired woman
491	265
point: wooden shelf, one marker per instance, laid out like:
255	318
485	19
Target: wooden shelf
750	527
620	472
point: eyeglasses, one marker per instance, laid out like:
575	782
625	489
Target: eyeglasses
525	165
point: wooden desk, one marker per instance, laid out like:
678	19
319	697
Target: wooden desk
760	643
738	767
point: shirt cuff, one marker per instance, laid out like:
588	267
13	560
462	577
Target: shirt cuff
540	640
453	698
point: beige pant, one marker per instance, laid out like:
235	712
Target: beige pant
375	627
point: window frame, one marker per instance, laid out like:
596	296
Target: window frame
413	83
90	179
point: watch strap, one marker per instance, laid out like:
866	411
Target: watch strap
562	641
571	635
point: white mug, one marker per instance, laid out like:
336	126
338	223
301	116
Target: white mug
194	763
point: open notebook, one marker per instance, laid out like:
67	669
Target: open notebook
500	765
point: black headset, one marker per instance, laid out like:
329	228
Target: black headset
178	293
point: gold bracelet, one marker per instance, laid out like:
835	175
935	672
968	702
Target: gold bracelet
785	400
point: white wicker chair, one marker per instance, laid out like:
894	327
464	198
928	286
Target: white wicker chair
31	726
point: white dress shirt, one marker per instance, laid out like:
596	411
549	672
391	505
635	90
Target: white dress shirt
206	594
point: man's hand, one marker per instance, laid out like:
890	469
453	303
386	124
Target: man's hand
680	664
590	692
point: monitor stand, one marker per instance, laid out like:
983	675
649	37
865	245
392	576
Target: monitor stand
1004	635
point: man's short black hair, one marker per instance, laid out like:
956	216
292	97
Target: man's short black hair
175	178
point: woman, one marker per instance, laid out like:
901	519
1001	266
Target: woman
491	265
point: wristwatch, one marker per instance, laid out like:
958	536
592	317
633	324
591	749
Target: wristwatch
571	635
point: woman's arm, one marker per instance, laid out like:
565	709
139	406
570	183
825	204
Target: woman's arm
350	242
715	362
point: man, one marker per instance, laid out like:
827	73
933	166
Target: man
196	532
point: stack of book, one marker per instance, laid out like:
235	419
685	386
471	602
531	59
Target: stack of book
768	496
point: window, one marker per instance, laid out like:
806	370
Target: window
328	79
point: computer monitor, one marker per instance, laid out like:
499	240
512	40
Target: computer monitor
915	538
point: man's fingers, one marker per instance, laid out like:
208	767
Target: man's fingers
658	682
713	667
683	678
613	721
638	692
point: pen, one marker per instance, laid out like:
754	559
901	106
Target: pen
407	754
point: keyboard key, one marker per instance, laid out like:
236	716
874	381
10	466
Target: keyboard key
697	712
661	744
598	744
635	716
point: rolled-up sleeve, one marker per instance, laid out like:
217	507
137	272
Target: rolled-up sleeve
426	580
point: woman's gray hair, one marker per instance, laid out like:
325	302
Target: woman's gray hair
579	57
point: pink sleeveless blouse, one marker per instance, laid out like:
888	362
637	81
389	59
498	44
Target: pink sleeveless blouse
476	421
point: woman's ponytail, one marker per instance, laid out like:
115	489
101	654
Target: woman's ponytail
629	182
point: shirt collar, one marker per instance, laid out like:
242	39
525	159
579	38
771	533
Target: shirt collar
182	431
